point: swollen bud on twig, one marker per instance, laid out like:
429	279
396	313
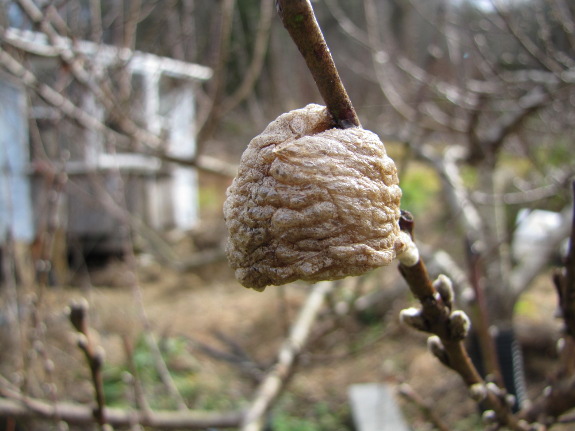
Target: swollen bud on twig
510	400
99	356
82	341
414	318
444	287
409	256
435	346
459	325
77	314
489	417
478	392
494	389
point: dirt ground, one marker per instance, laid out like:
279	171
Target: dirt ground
244	329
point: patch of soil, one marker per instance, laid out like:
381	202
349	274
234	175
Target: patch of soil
232	335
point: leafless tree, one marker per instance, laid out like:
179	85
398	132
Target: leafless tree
459	87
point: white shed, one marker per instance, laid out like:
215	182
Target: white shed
16	216
158	194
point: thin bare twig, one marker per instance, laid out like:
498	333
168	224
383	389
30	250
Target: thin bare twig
254	69
150	141
18	407
273	384
78	314
139	395
217	83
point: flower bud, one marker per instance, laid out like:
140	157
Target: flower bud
413	317
410	255
444	287
435	346
489	417
459	325
478	392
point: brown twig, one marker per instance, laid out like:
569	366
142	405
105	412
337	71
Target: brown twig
299	20
484	336
436	316
450	329
24	407
139	394
78	315
276	380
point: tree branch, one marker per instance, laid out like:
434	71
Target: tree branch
78	315
254	70
82	414
150	142
450	329
299	20
275	381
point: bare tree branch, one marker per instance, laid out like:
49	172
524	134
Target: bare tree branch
559	396
217	83
94	356
526	271
273	384
566	18
426	408
254	69
436	317
385	75
25	407
526	42
151	142
299	20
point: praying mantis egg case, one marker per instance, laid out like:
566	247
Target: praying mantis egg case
311	202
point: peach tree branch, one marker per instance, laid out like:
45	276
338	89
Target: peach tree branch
449	329
78	315
17	406
299	20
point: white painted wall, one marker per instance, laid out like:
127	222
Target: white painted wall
16	216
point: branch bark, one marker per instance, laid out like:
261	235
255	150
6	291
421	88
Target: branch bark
436	317
299	20
83	415
94	358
